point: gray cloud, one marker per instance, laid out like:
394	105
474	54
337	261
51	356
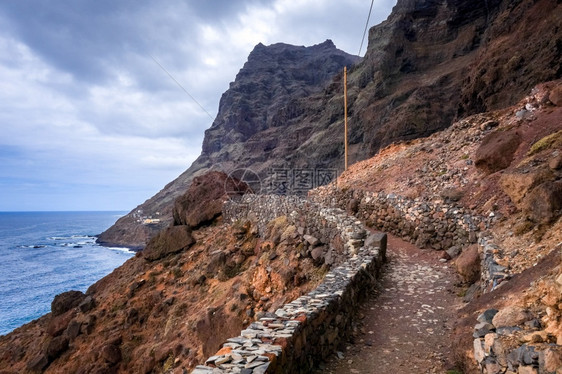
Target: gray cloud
85	109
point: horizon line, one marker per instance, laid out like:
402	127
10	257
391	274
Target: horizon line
63	211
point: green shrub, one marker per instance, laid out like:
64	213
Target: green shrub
547	142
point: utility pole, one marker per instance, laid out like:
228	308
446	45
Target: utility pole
345	110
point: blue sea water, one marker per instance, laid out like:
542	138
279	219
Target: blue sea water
45	253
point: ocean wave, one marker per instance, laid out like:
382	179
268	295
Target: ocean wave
71	237
121	249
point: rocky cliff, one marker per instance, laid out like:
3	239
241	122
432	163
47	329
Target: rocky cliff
266	93
429	63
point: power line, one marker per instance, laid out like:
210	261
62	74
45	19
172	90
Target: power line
180	86
366	26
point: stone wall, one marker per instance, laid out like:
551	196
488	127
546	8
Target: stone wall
307	330
511	341
492	273
427	224
329	229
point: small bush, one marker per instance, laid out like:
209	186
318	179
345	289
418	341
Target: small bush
545	143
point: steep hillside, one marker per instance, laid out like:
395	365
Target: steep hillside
201	280
504	164
429	63
173	304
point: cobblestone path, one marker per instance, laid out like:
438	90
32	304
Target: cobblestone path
405	324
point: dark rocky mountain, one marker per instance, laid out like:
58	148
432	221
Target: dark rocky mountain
429	63
267	92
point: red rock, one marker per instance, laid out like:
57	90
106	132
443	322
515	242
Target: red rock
172	240
516	184
496	150
552	358
223	351
57	324
451	194
38	363
57	346
468	264
512	315
317	254
555	96
443	255
73	329
555	163
66	301
111	353
204	199
544	203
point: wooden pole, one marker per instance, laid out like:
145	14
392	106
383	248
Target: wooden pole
345	110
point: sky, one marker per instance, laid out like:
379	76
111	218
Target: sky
91	116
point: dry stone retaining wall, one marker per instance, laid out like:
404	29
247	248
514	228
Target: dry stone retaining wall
339	233
437	225
428	224
492	273
305	331
509	341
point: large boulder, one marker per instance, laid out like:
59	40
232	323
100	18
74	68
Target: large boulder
111	353
204	199
57	346
512	315
468	264
38	363
544	203
65	301
497	150
57	324
172	240
556	95
516	184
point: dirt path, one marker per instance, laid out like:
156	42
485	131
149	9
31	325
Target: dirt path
405	325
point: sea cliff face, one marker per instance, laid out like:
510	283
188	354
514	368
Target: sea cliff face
429	63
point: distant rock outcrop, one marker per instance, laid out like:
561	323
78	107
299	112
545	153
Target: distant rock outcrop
199	206
429	63
204	199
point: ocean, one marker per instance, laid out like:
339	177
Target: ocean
45	253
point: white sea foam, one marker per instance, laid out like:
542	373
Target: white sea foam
71	237
121	249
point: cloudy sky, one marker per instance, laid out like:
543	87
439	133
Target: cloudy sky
89	120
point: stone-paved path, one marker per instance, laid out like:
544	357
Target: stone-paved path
405	325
